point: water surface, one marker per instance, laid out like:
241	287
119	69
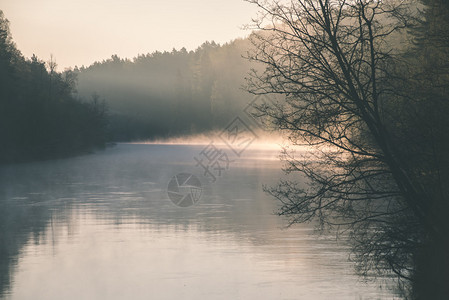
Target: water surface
101	226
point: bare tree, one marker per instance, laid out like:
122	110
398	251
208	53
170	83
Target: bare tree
51	70
335	61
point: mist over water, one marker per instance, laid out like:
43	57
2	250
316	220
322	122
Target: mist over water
263	140
101	226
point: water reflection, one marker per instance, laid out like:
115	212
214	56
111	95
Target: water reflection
101	227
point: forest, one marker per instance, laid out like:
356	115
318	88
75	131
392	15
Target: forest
46	113
166	94
40	117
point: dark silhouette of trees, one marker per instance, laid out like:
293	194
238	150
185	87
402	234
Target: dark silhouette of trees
378	167
40	117
423	137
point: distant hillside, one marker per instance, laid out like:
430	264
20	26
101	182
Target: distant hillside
170	93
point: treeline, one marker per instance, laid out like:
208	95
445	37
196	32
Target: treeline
154	95
39	116
173	93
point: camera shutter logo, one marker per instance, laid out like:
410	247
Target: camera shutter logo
184	189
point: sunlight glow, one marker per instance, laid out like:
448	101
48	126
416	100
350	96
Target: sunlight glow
84	31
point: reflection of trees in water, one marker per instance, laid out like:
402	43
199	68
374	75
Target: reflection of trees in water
41	200
31	201
20	223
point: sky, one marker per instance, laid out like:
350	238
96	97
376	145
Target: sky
79	32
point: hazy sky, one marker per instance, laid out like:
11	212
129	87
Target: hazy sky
79	32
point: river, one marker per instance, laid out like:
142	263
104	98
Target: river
101	226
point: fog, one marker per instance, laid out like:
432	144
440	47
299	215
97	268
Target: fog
166	94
